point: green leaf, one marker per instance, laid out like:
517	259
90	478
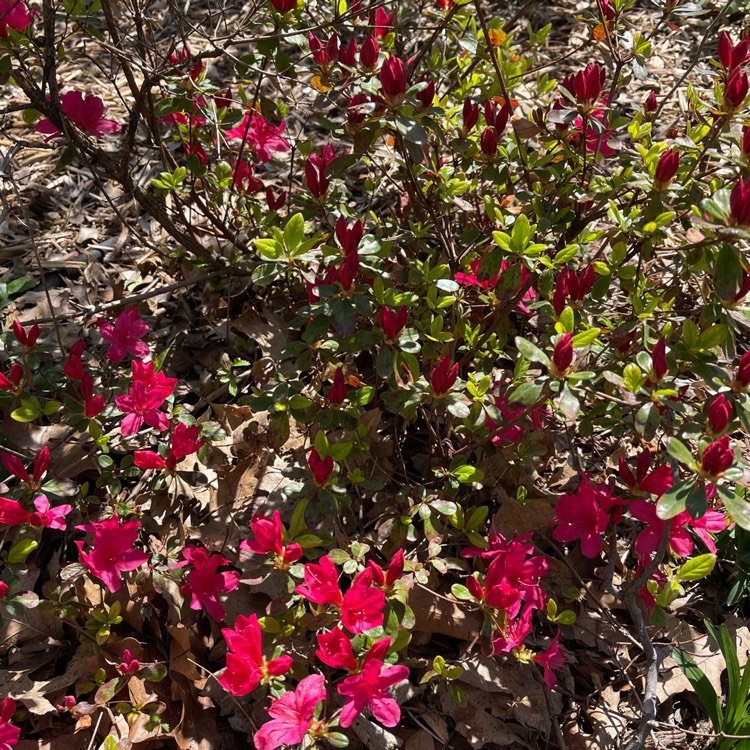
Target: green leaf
153	672
696	568
21	550
680	452
108	690
526	393
446	507
294	232
269	248
461	593
702	686
568	403
712	337
673	502
736	504
586	337
468	474
530	351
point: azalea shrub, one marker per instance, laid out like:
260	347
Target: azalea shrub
513	293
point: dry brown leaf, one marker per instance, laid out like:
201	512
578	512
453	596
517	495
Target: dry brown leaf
436	614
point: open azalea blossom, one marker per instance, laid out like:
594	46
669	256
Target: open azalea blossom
655	482
335	650
9	734
246	665
370	688
124	335
363	605
514	633
471	279
14	15
551	660
269	538
142	403
585	515
184	442
112	552
292	714
680	541
256	132
321	583
84	112
204	584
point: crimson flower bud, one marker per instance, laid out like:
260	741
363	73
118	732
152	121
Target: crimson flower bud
608	11
475	588
349	237
444	376
586	85
739	203
383	22
348	271
735	92
469	115
742	378
3	590
562	355
275	203
348	54
315	172
321	469
283	6
41	462
666	169
651	104
395	569
745	143
323	54
73	366
393	323
337	392
743	290
26	340
393	80
224	99
720	413
426	96
368	56
725	50
355	111
488	142
659	360
561	291
717	458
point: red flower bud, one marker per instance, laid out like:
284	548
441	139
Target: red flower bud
651	104
26	340
717	458
475	588
426	96
348	54
283	6
393	80
315	172
393	323
666	169
720	413
275	203
607	9
586	85
321	469
224	99
562	356
469	115
444	376
357	109
41	462
488	142
348	271
368	56
739	203
735	92
743	371
725	50
383	22
659	360
349	237
337	392
745	143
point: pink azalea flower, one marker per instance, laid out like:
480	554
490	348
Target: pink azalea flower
680	541
514	633
551	660
14	15
143	372
125	335
363	605
142	405
335	650
84	113
321	583
512	578
258	133
112	553
50	518
497	544
655	482
9	734
246	665
370	688
204	584
269	537
184	442
471	279
585	515
292	715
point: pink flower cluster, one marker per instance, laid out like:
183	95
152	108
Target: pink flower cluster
184	442
269	538
204	584
148	392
